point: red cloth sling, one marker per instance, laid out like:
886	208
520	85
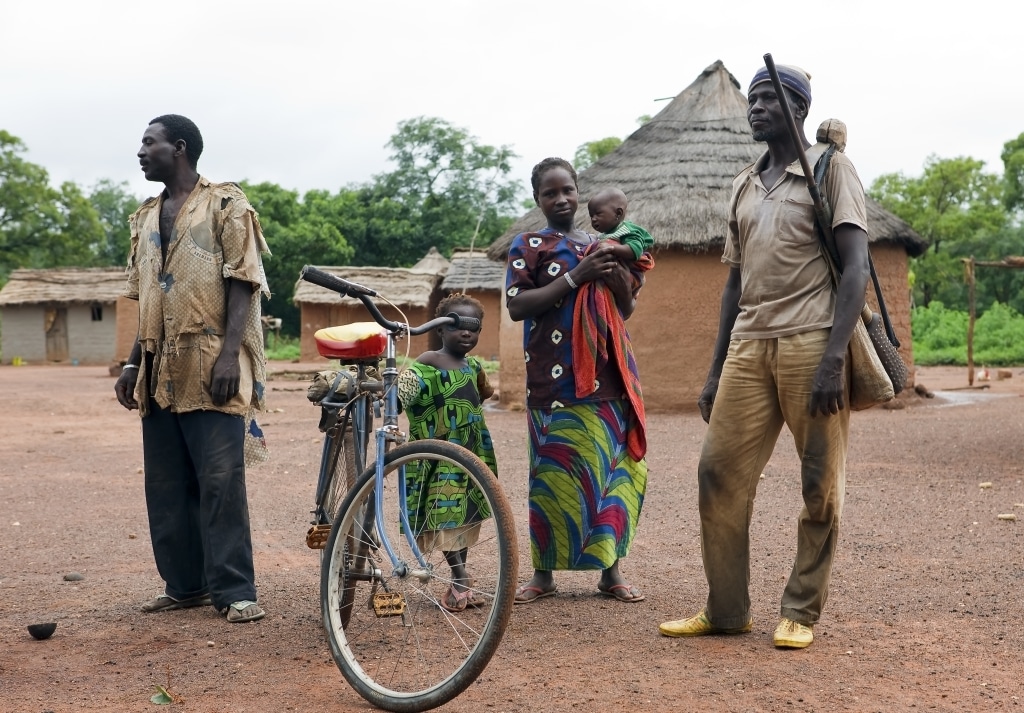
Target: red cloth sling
599	335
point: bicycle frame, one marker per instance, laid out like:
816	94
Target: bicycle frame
389	433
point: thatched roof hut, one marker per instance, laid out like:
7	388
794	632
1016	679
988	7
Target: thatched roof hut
473	271
475	274
67	315
677	170
433	262
72	285
412	292
399	285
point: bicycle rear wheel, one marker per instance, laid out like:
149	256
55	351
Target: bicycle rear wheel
394	643
339	457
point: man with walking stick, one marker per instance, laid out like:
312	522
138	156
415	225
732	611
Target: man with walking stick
779	359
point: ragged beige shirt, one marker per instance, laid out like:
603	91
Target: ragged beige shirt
182	304
786	286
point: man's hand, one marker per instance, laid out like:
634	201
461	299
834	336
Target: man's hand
225	378
829	388
124	389
706	401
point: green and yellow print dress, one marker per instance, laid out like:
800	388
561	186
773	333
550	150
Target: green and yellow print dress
445	404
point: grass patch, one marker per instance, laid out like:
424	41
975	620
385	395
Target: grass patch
940	336
282	348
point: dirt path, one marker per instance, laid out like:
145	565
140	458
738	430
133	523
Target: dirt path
925	611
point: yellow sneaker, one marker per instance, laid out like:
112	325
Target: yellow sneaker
699	625
791	634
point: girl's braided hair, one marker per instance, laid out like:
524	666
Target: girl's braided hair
455	300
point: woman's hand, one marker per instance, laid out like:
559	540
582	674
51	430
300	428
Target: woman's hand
597	265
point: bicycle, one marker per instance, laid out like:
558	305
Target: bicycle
381	580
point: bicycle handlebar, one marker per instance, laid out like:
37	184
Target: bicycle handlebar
363	294
334	283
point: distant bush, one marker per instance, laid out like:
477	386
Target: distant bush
940	336
282	348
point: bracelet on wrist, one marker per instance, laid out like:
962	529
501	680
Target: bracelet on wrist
571	282
126	367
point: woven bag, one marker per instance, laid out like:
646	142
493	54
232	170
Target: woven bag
877	371
870	384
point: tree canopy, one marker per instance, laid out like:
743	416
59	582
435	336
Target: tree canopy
446	191
963	212
42	226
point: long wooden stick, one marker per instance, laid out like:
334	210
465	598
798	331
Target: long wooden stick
823	213
798	144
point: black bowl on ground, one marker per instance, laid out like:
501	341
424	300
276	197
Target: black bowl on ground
42	631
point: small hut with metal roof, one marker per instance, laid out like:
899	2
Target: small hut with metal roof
473	273
413	292
677	171
66	315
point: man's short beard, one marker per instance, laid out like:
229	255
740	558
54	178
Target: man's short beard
763	134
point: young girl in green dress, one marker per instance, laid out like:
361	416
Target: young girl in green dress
442	393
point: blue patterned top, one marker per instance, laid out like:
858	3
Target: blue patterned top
535	260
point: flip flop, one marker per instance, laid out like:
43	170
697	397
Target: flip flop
539	594
478	599
623	592
461	599
168	603
243	611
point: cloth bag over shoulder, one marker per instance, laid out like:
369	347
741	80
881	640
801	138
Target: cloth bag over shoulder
877	371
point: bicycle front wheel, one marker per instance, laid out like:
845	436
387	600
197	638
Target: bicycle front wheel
389	633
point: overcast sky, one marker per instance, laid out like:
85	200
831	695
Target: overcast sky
306	94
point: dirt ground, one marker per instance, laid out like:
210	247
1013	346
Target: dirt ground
925	612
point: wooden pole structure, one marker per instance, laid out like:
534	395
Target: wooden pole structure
969	276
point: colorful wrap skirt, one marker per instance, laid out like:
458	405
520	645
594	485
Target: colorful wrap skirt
586	492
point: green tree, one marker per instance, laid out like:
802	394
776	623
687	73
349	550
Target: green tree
76	236
28	206
446	191
592	151
958	208
42	226
113	204
298	233
1013	174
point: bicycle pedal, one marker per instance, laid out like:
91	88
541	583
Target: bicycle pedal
316	538
388	604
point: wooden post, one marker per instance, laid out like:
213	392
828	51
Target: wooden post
969	276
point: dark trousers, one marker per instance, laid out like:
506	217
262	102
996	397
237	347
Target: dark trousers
198	511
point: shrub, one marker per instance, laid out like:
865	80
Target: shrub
280	348
940	336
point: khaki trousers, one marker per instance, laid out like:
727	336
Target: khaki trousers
766	383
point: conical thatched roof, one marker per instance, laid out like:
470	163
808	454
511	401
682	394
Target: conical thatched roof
473	271
400	285
77	285
433	262
677	171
